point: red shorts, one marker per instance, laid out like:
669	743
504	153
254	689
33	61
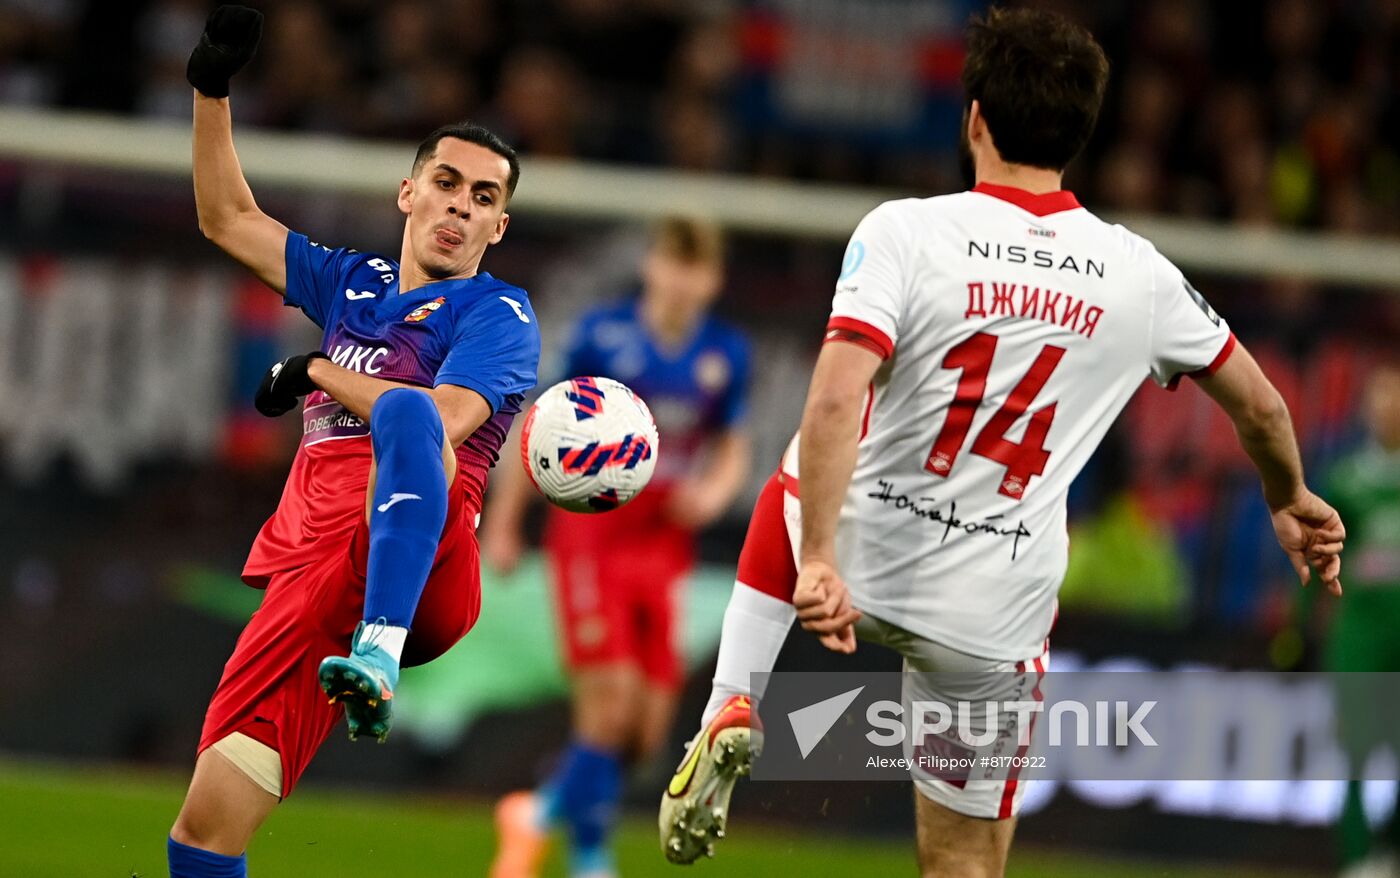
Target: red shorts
615	578
270	691
767	561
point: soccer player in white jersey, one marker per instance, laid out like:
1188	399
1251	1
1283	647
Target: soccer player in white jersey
979	347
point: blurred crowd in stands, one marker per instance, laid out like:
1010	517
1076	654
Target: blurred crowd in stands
1261	111
1264	112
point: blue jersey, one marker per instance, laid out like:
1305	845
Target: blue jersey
477	332
695	391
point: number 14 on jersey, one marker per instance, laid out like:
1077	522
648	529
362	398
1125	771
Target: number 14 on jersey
1024	459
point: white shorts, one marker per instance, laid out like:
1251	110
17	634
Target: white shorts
935	673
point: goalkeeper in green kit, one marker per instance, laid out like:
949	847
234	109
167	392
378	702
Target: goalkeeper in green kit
1365	488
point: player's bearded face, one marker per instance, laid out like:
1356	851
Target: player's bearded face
456	208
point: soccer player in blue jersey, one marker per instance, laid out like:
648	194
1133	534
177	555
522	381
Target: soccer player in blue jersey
615	575
370	560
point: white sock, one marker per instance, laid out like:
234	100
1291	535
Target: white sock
755	626
389	638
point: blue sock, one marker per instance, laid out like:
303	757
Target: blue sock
596	860
410	503
188	862
547	801
583	793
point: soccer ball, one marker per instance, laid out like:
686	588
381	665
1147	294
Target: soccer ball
589	444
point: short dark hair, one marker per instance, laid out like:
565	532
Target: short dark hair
1039	80
471	133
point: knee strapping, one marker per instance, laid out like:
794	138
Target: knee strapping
261	763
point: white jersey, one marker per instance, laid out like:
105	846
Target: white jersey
1014	327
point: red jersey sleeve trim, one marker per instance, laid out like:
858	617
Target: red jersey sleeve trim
790	484
858	332
1220	358
1215	364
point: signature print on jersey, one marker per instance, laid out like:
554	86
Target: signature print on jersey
926	508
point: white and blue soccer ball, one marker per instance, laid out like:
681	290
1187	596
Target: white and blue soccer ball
589	444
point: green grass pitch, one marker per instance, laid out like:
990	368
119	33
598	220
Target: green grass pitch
62	821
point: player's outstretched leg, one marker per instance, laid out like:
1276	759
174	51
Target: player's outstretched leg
221	812
695	806
406	516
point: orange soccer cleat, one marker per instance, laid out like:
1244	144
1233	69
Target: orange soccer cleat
695	806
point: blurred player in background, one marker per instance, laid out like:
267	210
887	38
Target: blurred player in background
424	362
1366	488
979	347
616	575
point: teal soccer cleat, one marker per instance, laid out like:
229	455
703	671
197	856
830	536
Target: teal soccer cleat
364	682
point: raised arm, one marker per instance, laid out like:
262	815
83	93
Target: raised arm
1309	530
228	215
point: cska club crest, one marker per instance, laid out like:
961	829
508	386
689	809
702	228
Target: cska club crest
418	315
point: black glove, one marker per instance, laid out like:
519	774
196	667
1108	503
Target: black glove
285	383
229	41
